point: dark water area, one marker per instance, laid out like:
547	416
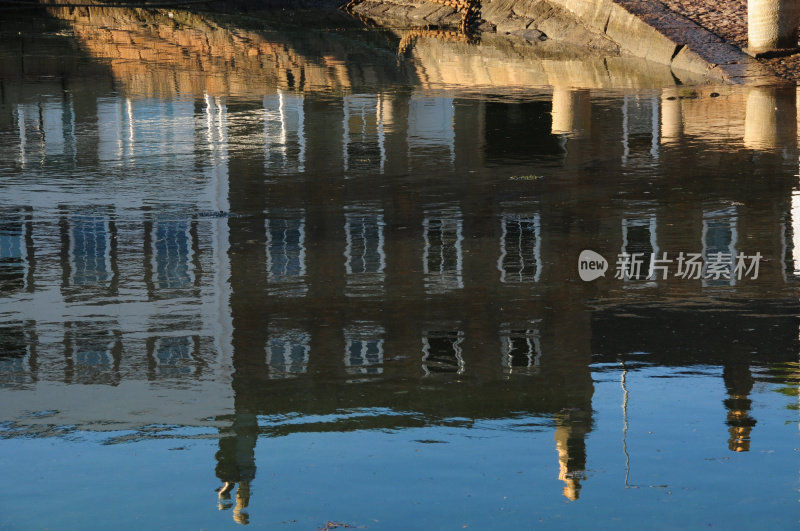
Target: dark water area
337	272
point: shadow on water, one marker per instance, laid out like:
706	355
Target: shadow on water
265	233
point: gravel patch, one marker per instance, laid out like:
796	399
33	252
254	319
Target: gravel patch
728	20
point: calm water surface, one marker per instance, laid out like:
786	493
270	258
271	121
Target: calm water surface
333	274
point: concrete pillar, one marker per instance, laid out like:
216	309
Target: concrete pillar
671	116
772	24
770	119
572	112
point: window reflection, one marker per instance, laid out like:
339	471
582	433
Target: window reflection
90	238
15	355
154	130
364	354
365	259
639	241
430	127
172	253
286	255
93	354
520	245
441	352
287	353
363	142
442	258
284	132
522	350
14	259
719	246
641	124
791	240
45	129
173	356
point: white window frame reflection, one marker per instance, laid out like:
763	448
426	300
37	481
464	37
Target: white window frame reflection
456	337
724	219
284	125
533	349
632	106
14	259
649	221
431	121
449	223
100	276
180	365
363	108
288	353
286	259
92	354
182	274
791	240
364	349
16	369
528	225
365	259
51	123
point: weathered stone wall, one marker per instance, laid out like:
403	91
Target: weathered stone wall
643	28
533	20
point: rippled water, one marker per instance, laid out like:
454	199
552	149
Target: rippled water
334	274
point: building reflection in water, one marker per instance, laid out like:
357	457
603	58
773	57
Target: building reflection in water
286	254
520	248
520	341
365	259
719	246
364	349
639	241
364	135
288	353
16	250
284	133
522	350
442	353
442	258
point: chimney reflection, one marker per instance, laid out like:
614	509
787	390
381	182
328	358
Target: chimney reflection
236	464
770	119
572	112
671	116
739	383
570	438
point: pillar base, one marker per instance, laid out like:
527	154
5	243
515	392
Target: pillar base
769	54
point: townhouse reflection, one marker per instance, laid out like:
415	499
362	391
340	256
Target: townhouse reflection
365	256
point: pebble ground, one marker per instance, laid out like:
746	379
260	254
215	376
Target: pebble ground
728	19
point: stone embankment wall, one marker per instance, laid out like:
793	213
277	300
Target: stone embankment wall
643	28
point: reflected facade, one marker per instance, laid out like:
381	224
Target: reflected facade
252	257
